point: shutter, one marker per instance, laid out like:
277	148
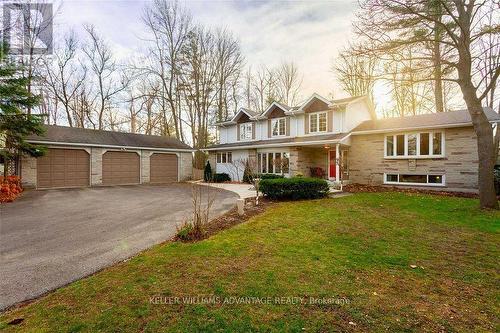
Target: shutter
253	130
329	119
269	128
238	132
306	123
287	126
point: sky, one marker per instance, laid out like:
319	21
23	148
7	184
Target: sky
309	33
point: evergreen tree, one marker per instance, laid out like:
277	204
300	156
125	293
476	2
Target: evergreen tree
16	125
207	173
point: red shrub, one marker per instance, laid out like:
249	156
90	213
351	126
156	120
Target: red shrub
10	187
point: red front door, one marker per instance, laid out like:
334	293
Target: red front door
333	164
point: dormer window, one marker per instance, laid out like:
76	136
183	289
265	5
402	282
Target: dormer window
278	126
317	122
246	131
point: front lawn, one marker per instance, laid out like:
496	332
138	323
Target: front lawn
387	262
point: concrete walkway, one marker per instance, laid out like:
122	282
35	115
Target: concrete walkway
243	190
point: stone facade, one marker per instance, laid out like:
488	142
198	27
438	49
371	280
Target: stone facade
367	163
186	166
29	173
304	158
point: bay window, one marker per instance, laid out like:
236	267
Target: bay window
246	131
273	162
278	126
317	122
410	145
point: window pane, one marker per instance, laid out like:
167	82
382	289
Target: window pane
390	145
218	158
400	139
436	144
282	123
285	163
435	179
275	127
413	179
322	122
277	162
391	178
223	157
424	143
412	144
264	163
313	123
270	161
229	157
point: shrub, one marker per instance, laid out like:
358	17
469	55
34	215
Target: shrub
294	188
221	177
247	174
10	187
207	172
270	176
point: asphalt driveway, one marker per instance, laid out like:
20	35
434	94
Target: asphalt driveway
51	238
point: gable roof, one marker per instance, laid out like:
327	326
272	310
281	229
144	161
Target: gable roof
309	100
429	120
282	106
84	136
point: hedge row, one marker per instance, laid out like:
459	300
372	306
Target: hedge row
294	188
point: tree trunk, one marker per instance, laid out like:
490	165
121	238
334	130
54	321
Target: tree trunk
485	147
438	73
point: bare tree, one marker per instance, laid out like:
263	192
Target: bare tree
169	25
229	64
392	24
288	83
105	72
355	72
65	75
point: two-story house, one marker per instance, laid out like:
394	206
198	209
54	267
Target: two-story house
343	139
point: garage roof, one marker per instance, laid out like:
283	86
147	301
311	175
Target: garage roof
84	136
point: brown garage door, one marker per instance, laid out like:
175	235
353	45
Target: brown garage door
163	168
120	168
63	168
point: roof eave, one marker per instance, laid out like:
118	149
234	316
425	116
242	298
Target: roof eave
80	144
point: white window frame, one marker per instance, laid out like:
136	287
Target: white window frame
273	154
278	120
246	130
317	114
418	155
443	183
225	155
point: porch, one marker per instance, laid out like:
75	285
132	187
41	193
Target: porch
330	162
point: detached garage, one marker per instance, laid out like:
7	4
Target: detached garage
78	157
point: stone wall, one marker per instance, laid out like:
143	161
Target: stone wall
186	166
303	158
367	163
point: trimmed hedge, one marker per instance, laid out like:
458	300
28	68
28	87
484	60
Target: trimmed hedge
220	177
294	188
270	176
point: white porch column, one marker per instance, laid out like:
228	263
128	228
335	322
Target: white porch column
337	160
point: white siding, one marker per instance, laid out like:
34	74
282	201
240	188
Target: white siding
355	114
234	170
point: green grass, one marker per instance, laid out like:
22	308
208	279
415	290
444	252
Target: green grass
359	248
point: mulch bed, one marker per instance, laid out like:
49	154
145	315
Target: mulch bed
232	218
357	188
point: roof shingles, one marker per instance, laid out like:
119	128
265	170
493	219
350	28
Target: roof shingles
63	134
